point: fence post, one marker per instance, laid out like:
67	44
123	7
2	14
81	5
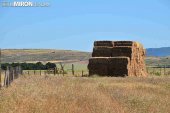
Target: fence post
5	78
34	72
21	71
13	74
62	67
16	72
73	69
8	77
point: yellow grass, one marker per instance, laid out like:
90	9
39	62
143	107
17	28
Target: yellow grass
49	94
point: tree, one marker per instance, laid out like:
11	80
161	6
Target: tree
4	66
15	64
50	65
39	66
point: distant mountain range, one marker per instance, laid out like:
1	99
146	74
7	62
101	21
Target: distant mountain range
158	52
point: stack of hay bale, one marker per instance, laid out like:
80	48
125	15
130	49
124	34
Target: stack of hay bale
117	58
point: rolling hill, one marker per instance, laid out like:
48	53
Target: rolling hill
158	52
43	55
155	56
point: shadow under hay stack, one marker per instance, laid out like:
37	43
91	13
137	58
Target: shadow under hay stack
117	58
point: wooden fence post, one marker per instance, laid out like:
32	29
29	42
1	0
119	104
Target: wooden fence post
13	74
21	71
34	72
5	78
164	70
8	77
72	69
62	67
15	71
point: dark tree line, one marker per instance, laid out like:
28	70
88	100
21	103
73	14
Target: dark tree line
30	66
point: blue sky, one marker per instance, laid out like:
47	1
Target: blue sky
76	24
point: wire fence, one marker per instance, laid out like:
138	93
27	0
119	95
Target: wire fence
158	70
12	73
57	72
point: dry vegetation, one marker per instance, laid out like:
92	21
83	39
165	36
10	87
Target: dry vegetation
43	55
49	94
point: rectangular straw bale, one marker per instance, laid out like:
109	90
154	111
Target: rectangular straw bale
123	43
98	66
104	43
102	51
119	66
119	60
122	51
98	60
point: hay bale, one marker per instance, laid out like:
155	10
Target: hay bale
125	51
118	58
104	43
123	43
119	66
98	66
102	51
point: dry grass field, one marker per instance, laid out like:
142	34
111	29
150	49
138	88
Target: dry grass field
52	94
43	55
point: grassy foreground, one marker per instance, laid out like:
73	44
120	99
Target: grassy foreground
48	94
